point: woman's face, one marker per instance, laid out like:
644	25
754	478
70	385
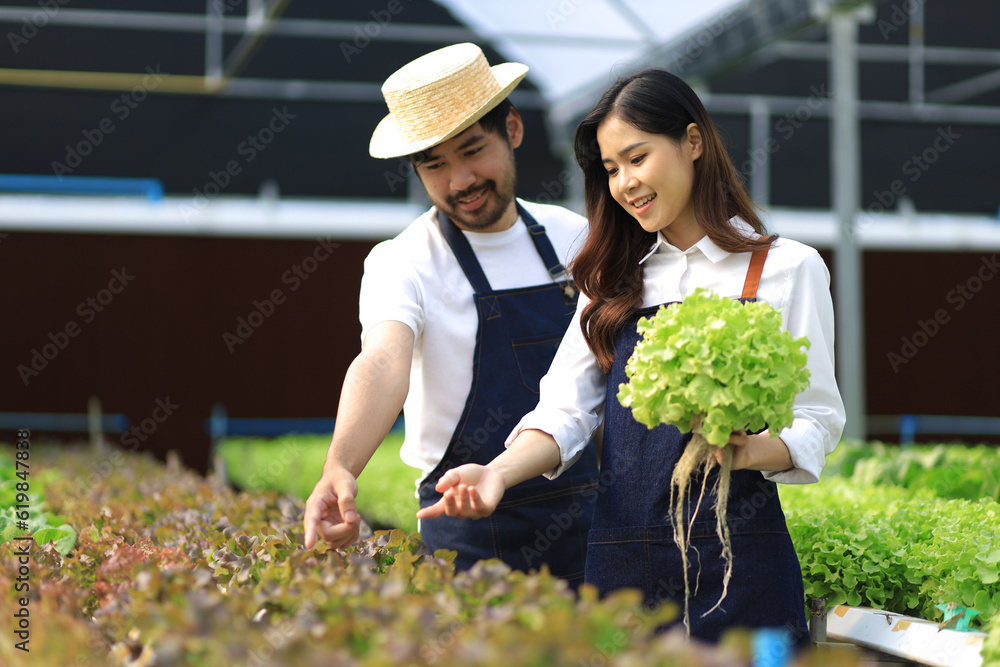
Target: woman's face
652	177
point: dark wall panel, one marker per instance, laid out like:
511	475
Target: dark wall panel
931	323
163	334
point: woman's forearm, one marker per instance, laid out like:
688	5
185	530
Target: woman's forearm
767	454
531	453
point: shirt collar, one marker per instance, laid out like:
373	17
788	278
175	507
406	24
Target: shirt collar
712	252
661	246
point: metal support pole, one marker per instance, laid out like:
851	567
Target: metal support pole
817	620
917	54
213	42
94	425
845	151
760	156
218	429
256	14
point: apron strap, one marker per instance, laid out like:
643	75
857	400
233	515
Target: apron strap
543	245
756	268
467	257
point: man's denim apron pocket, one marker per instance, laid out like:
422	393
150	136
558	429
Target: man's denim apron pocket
534	355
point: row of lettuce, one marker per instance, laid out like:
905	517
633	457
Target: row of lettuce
902	529
164	563
170	568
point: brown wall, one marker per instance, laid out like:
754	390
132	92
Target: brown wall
161	336
932	334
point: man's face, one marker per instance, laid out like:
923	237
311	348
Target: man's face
471	177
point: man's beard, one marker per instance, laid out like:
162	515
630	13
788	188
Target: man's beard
486	216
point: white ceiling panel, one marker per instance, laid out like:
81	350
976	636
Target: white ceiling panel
569	44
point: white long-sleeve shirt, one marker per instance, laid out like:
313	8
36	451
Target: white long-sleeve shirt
795	281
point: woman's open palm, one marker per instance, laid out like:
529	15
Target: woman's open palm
471	491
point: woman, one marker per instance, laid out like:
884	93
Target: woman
668	214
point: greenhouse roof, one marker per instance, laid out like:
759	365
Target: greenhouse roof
569	44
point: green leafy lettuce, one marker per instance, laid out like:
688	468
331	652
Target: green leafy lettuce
713	361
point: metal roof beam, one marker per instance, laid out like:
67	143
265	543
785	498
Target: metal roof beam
629	16
937	55
312	28
281	89
963	90
256	31
818	105
124	20
197	23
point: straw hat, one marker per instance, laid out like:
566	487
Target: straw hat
436	96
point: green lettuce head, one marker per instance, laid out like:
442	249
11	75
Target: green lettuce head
713	360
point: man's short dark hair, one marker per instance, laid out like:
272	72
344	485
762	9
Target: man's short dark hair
495	122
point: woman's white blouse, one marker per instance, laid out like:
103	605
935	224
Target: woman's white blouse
795	281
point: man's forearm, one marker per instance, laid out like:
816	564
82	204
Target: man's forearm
370	402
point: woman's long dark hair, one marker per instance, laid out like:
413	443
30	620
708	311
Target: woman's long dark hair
607	268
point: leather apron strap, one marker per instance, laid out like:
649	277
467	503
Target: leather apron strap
756	269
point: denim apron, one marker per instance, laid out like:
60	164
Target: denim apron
538	521
631	543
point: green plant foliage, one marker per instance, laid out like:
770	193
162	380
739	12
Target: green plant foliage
712	362
180	569
891	548
905	529
173	569
292	464
991	645
43	526
950	471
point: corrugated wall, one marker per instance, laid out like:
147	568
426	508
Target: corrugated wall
145	321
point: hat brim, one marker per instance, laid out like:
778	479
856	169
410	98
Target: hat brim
388	141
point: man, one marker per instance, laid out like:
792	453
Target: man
461	315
